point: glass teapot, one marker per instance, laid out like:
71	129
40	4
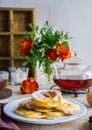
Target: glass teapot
73	75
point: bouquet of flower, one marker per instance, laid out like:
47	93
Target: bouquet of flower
44	46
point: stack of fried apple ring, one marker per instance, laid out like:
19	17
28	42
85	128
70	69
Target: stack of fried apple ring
46	104
46	98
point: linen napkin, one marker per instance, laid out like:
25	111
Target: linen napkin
5	122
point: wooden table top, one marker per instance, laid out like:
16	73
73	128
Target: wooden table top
78	124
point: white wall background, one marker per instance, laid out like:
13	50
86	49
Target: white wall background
73	16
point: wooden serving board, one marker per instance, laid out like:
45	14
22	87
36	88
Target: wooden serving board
5	93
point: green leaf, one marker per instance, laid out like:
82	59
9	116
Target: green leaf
31	25
65	44
66	35
45	45
25	63
43	31
32	35
62	33
46	22
36	28
28	58
27	35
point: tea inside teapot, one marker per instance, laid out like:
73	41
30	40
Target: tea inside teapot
74	75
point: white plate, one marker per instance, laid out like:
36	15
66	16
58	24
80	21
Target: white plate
10	107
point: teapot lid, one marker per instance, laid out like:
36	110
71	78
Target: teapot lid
74	61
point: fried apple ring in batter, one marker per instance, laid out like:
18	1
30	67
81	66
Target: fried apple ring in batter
28	113
46	98
55	114
68	107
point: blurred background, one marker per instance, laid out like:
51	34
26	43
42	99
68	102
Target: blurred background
73	16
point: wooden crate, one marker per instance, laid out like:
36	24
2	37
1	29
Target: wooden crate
13	24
